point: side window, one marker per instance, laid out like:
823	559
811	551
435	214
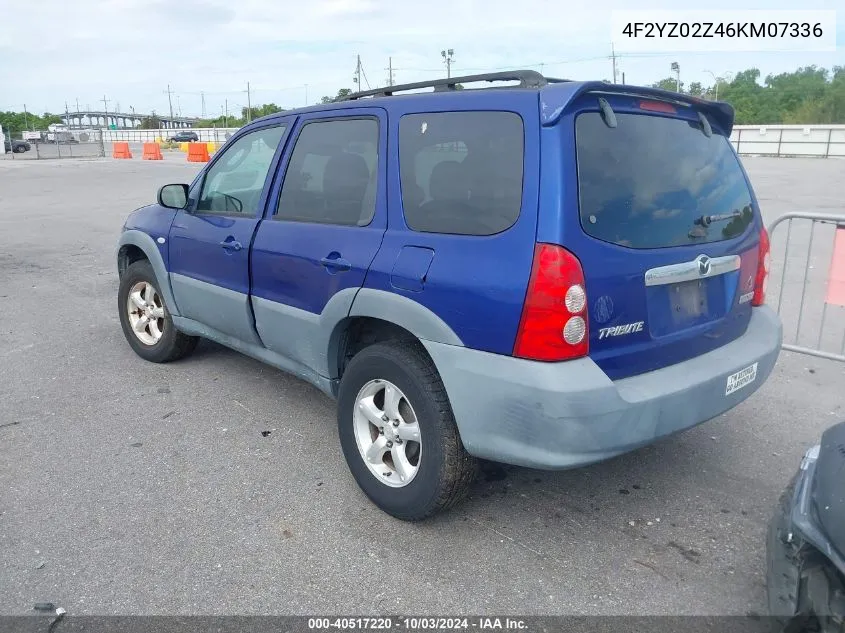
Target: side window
331	177
233	184
461	172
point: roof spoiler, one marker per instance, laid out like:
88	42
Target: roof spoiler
554	99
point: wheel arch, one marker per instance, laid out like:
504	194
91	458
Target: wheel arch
135	245
376	316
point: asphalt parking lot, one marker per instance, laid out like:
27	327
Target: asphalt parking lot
216	485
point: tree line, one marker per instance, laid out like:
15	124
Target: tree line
14	123
809	95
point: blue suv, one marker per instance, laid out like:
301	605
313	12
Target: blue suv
541	272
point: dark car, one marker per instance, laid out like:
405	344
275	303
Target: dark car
16	146
184	137
805	577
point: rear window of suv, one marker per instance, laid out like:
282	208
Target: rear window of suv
648	182
461	172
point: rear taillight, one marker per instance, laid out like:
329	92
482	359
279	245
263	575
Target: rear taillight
763	262
554	318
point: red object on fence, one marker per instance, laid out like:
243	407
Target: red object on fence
836	278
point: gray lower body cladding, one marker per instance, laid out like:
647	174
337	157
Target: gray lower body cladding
563	415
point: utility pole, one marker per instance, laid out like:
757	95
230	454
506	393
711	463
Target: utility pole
226	114
202	96
25	117
448	58
106	109
389	70
357	78
248	104
613	57
170	100
623	77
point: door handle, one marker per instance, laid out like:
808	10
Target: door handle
231	245
338	263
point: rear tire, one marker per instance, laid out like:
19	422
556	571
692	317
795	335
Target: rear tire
441	471
145	319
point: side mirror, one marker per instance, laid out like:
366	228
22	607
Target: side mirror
173	196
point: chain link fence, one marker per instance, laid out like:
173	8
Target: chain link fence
78	144
97	143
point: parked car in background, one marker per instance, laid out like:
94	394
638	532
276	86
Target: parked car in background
17	146
546	275
184	137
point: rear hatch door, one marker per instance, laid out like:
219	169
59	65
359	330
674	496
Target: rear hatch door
659	210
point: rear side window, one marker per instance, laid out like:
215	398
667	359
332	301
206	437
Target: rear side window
331	178
461	172
648	182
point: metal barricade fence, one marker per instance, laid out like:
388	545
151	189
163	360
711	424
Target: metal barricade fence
811	289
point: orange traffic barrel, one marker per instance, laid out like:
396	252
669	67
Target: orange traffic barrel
121	150
198	153
152	151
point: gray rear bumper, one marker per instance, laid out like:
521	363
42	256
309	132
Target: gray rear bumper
561	415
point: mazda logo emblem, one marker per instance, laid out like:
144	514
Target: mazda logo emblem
703	265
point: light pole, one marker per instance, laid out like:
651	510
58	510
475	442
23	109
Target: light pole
715	84
677	69
448	57
716	80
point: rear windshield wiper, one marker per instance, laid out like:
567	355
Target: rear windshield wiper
700	229
707	220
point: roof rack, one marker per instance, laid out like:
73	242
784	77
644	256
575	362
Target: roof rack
526	79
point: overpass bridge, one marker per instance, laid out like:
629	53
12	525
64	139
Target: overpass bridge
121	120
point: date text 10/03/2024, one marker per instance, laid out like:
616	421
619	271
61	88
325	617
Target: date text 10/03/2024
417	624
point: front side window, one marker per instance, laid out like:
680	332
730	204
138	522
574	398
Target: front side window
461	172
331	177
234	183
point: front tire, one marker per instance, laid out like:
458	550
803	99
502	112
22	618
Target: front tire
145	319
398	433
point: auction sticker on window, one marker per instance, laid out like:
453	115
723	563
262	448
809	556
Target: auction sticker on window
740	379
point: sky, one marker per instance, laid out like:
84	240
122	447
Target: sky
54	52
